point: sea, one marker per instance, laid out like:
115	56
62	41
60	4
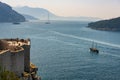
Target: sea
60	50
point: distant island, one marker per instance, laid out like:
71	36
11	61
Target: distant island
106	25
42	14
7	14
29	17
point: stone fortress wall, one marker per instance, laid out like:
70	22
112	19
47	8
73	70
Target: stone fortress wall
13	59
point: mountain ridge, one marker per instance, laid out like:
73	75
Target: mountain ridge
42	14
7	14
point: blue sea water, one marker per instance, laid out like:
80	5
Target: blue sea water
61	49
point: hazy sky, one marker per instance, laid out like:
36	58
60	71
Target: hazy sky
91	8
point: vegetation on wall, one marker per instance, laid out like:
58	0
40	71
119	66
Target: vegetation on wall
7	75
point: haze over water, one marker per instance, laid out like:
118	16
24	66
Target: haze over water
61	49
104	9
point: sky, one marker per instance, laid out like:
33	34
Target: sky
91	8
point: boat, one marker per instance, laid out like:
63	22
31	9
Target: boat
47	22
48	19
16	23
94	49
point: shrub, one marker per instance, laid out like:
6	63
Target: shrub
7	75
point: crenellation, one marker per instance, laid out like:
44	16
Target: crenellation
15	57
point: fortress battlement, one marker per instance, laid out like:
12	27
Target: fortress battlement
15	57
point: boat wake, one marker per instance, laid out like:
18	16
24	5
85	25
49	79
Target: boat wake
86	39
110	54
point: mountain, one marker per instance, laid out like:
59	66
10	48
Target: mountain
7	14
39	13
42	14
28	17
107	25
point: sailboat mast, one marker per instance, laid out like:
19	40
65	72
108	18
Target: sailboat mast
48	17
48	20
96	45
93	44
